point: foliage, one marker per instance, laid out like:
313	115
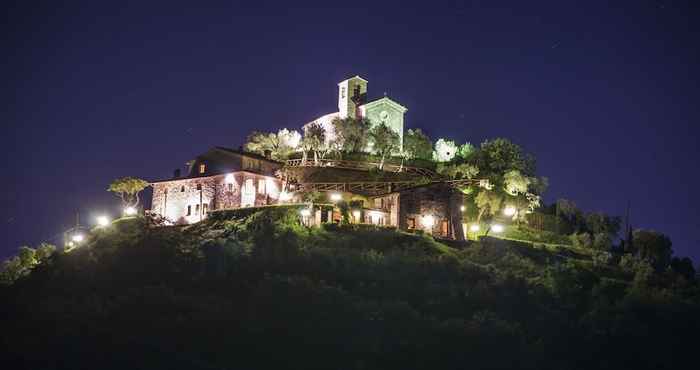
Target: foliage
314	140
351	134
500	155
280	144
383	141
417	144
445	150
458	171
128	190
515	183
653	247
22	264
465	151
488	202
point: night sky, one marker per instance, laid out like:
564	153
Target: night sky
605	96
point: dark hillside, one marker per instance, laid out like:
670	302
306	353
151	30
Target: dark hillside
261	291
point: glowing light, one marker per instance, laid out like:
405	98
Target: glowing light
285	196
305	212
356	214
428	221
71	244
474	228
336	197
129	211
509	211
103	221
229	179
78	238
462	208
375	217
496	228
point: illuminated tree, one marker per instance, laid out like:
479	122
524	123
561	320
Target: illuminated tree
458	171
315	140
445	150
128	189
465	151
488	202
417	144
280	144
350	134
384	141
500	156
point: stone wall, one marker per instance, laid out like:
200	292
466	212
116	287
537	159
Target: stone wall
184	201
439	203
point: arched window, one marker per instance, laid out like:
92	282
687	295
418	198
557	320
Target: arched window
182	189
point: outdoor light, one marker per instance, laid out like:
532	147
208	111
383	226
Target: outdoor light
71	244
428	221
78	238
129	211
305	212
474	228
462	208
285	196
102	221
336	197
496	228
509	211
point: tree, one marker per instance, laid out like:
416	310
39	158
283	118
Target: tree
684	267
315	141
128	189
384	141
27	257
280	144
653	247
350	134
515	183
465	151
501	155
44	251
417	144
458	171
445	150
488	202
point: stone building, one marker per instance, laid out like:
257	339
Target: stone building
436	209
352	102
221	178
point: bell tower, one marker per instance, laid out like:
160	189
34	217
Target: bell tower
351	94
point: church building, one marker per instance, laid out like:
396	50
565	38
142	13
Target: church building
353	103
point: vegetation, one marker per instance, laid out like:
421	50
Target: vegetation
258	290
128	190
383	141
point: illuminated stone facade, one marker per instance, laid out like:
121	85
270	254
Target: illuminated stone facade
435	209
219	179
352	102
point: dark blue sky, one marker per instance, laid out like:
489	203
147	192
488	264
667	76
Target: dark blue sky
605	95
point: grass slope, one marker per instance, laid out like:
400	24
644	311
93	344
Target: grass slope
261	291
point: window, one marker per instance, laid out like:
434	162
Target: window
411	223
196	209
444	228
261	186
248	193
189	210
205	208
202	168
378	203
199	186
229	186
182	189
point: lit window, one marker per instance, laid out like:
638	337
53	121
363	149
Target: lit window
444	228
202	168
411	223
189	210
205	208
261	186
248	193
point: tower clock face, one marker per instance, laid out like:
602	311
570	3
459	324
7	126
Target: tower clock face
384	116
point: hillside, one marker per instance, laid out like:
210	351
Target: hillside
255	289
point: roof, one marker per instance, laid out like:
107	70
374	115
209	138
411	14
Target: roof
219	160
352	78
388	100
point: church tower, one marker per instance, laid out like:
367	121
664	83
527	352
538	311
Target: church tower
351	94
